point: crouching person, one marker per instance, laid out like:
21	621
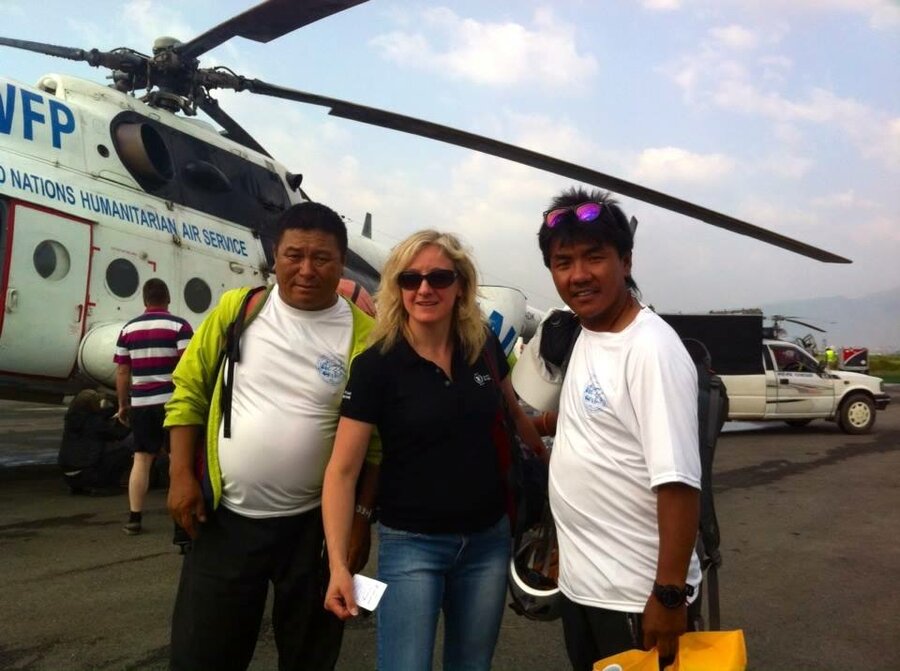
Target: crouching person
91	455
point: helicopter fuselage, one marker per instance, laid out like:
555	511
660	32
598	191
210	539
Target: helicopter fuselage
98	193
80	233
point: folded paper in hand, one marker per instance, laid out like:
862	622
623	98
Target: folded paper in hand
367	591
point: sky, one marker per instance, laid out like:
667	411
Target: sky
784	114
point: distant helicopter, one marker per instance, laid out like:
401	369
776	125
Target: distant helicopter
101	189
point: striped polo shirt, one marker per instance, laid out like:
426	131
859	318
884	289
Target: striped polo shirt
151	345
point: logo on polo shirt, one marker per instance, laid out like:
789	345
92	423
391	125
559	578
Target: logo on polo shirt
594	398
482	379
330	370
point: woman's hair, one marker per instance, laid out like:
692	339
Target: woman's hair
391	321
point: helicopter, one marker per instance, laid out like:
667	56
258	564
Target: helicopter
102	187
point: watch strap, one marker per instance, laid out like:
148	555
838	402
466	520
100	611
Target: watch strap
672	596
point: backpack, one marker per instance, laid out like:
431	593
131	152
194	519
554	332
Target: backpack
558	335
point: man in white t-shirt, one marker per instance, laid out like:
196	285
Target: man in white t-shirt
625	470
270	413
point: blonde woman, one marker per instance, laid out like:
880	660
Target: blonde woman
444	537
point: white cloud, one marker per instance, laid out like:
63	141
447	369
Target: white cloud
786	165
148	19
491	54
661	5
842	200
672	164
775	69
712	76
735	37
141	21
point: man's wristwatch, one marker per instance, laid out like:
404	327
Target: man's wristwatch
365	512
672	596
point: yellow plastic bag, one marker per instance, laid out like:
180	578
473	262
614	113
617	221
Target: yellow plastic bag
697	651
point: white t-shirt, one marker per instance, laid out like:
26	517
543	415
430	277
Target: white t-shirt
287	391
627	424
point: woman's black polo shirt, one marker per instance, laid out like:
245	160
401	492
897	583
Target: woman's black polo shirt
439	471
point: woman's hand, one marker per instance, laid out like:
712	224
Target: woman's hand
339	597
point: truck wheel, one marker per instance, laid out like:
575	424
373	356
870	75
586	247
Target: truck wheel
796	423
857	414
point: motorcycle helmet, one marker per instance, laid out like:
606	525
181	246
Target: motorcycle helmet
536	382
534	570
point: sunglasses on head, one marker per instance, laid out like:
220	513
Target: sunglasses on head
585	212
437	279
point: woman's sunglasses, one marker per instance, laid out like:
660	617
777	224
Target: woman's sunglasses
437	279
585	212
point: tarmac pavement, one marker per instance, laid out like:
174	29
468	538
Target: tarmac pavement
809	525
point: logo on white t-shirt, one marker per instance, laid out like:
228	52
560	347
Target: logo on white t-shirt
330	370
594	398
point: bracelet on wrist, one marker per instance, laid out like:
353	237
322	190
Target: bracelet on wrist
365	512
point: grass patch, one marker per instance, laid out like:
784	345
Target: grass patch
886	366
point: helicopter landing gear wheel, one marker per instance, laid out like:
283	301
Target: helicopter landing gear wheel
857	414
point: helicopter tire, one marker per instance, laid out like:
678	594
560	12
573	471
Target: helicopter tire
797	423
857	414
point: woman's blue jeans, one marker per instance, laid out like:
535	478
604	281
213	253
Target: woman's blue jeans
462	574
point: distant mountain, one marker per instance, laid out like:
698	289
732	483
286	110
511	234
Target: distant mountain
871	321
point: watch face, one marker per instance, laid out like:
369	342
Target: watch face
669	595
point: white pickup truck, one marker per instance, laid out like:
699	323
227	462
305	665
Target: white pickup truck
797	389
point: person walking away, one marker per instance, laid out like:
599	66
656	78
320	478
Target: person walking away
147	351
625	468
262	422
444	535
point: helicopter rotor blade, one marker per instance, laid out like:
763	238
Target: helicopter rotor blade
434	131
124	60
797	321
232	127
265	22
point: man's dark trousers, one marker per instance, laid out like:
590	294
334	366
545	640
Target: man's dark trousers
223	588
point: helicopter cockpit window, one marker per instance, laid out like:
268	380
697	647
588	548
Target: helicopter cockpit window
122	278
197	295
51	260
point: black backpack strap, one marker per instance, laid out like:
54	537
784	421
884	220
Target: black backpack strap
712	411
565	362
717	414
231	353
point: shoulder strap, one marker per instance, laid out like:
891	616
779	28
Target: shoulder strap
569	349
490	358
231	352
